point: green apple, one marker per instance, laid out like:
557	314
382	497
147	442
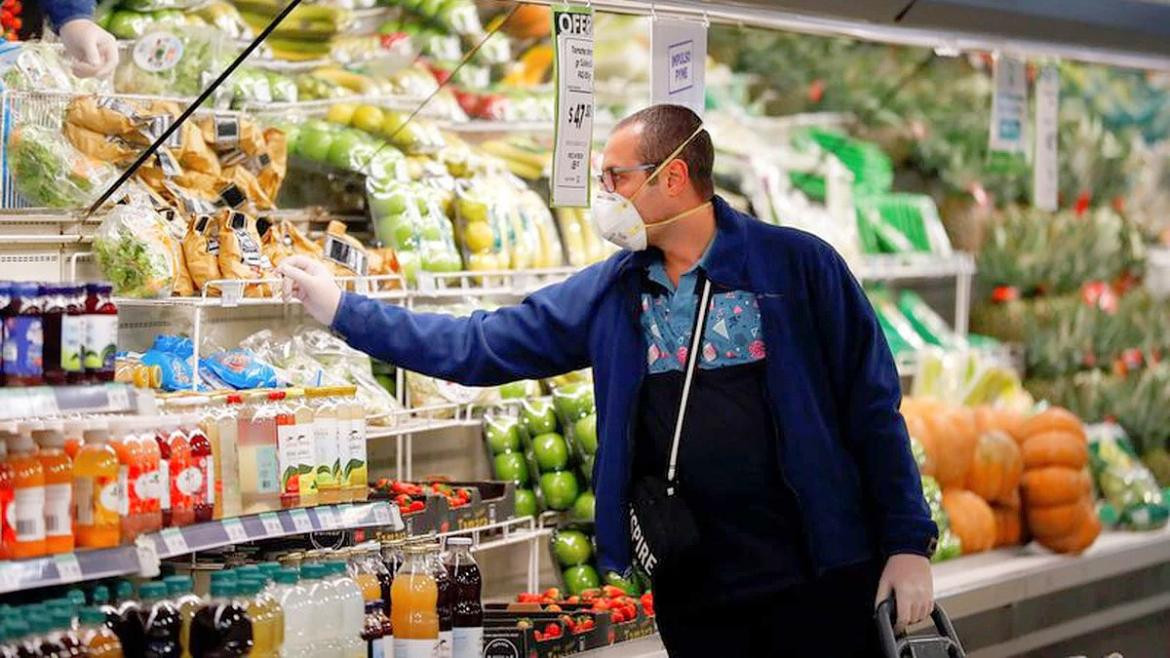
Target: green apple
585	432
503	437
560	489
516	390
317	125
538	416
525	502
315	144
389	204
342	149
451	262
432	231
580	578
405	231
583	507
407	262
572	547
627	586
511	467
574	401
552	453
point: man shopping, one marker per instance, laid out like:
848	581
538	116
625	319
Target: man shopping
792	458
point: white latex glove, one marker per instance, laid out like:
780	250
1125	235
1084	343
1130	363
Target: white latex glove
93	50
910	579
311	282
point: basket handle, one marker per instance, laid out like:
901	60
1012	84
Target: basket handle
886	616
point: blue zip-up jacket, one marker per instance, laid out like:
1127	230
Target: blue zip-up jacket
831	380
61	12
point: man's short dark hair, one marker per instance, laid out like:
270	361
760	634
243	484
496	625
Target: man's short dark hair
664	127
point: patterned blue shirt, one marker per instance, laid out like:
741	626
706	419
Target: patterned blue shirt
732	336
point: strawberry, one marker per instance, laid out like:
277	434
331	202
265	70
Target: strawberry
538	635
600	605
616	616
552	607
590	594
417	506
552	630
574	599
553	593
527	597
613	592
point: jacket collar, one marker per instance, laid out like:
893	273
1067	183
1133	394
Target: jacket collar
724	262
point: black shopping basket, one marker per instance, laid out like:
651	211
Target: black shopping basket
944	643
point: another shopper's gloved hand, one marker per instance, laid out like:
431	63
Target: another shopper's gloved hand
909	579
93	50
311	282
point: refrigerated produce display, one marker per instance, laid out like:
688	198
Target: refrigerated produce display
191	465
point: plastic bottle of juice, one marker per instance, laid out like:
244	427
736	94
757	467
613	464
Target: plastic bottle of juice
353	609
221	628
268	571
58	469
129	626
162	437
305	455
97	639
327	458
298	613
209	425
467	609
74	436
260	612
259	464
179	588
298	483
20	631
414	597
63	635
199	478
228	500
161	621
154	480
96	490
100	598
354	477
7	479
101	332
130	504
321	637
28	494
184	479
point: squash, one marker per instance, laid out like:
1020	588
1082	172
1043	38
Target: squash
1055	448
1080	538
1009	526
997	467
1051	420
989	418
971	519
1054	521
1054	485
954	440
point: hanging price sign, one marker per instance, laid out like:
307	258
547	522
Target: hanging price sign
573	141
679	63
1009	105
1045	171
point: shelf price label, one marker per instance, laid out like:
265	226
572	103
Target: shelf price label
148	562
1045	172
272	526
326	517
174	541
381	514
68	568
679	63
573	139
235	531
301	521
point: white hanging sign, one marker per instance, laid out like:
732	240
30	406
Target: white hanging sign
573	139
679	63
1009	105
1045	171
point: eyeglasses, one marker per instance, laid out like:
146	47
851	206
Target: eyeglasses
608	176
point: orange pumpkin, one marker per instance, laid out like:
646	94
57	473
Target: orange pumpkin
1050	420
1057	520
1055	448
1082	537
971	519
1054	485
955	439
997	467
1013	500
1009	527
989	418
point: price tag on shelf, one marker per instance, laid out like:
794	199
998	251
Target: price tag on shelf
345	515
1045	172
381	514
679	62
573	128
301	521
118	397
326	517
235	531
232	292
174	541
148	562
272	526
9	577
68	569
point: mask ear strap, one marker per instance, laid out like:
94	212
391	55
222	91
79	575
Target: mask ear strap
670	158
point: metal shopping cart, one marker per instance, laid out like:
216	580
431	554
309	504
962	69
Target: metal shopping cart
944	643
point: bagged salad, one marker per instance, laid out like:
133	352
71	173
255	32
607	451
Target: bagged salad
50	172
134	251
171	60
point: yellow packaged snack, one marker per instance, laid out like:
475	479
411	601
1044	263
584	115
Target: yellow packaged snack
194	153
98	146
201	251
240	256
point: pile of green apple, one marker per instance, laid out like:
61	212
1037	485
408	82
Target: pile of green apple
346	149
573	548
409	218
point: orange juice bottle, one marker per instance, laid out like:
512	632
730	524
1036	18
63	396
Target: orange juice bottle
414	596
153	479
126	447
50	436
28	494
74	436
96	489
7	530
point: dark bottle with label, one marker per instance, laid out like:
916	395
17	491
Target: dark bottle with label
161	622
101	332
24	338
467	605
52	314
128	626
221	629
444	606
73	337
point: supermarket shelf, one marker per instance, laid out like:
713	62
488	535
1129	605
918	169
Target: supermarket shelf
125	560
41	401
420	420
899	267
232	293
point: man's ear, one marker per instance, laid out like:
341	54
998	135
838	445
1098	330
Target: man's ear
677	177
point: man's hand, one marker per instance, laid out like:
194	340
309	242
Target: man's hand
910	580
311	282
93	50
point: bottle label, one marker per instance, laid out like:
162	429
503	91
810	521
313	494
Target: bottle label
327	456
101	341
190	482
416	648
98	500
446	644
354	473
130	501
7	529
205	493
267	470
58	502
297	458
24	342
158	484
468	642
72	342
29	513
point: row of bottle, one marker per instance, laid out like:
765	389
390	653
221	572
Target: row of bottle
101	482
57	334
353	603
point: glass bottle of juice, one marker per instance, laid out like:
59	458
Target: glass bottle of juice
97	639
52	312
259	464
7	529
182	476
305	454
298	484
165	426
28	494
96	490
467	608
101	332
154	480
179	589
162	622
363	575
24	338
414	597
50	437
74	436
444	605
376	631
221	628
129	626
199	478
73	334
327	458
228	500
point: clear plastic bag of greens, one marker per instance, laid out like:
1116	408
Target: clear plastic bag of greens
50	172
1126	483
37	66
135	250
173	60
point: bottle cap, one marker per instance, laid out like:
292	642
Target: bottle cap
76	597
152	591
92	616
287	576
100	595
177	585
124	590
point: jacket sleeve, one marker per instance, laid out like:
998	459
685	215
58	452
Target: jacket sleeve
868	393
62	11
543	336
